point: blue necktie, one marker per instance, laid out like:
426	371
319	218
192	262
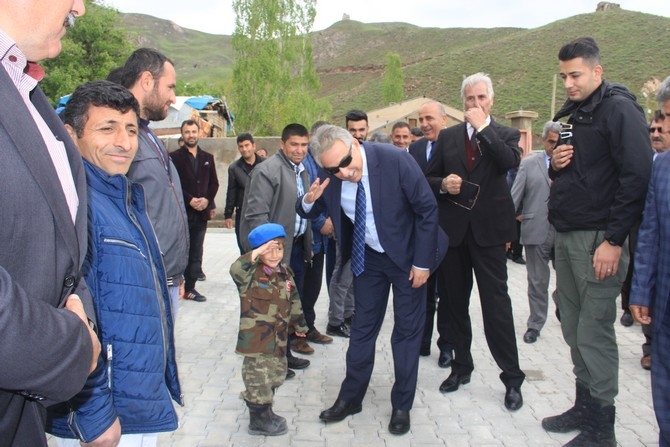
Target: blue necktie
358	248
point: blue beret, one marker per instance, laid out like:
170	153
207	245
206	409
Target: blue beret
264	233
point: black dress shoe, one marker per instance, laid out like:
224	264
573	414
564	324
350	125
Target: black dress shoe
531	335
519	260
339	411
454	381
445	359
425	351
513	398
290	374
626	318
297	363
338	331
399	424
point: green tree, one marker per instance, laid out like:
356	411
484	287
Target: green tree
95	45
393	87
274	78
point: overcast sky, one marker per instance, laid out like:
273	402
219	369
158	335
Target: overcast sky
216	16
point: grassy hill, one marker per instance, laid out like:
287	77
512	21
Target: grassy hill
350	57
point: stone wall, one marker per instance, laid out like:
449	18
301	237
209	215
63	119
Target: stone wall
225	152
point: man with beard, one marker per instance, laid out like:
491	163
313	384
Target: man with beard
151	78
197	173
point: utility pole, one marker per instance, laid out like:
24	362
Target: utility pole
553	99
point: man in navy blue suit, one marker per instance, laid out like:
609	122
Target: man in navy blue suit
650	287
402	235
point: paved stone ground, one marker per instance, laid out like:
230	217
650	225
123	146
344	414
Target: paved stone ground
215	416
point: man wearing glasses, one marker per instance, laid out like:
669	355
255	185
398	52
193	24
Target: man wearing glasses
660	141
530	193
374	193
467	172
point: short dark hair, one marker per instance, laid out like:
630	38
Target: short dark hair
141	60
416	131
293	130
657	116
245	137
400	124
98	94
584	47
189	123
355	115
316	126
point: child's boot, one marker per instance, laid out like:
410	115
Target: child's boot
262	421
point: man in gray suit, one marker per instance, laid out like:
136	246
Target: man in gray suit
48	346
151	78
530	193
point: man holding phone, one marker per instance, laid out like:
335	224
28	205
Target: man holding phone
600	170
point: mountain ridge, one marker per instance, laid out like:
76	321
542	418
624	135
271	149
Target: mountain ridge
350	57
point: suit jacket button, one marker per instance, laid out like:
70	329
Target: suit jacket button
69	281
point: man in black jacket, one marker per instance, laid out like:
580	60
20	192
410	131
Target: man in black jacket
239	172
199	183
600	170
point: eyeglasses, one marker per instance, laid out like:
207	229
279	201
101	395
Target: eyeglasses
346	161
655	129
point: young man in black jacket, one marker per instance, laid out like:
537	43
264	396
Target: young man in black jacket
600	170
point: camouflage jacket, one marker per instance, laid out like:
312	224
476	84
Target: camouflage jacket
270	307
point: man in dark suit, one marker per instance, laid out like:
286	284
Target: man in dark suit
199	184
48	347
467	174
432	118
386	218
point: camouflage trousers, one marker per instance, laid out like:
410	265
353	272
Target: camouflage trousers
261	375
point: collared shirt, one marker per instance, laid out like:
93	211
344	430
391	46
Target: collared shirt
300	223
472	129
547	158
15	64
348	203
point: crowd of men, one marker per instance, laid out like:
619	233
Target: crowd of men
103	232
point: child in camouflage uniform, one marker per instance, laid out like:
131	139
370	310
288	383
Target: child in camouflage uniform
270	309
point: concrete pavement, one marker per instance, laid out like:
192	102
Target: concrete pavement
215	416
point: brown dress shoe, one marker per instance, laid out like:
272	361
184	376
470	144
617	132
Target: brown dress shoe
317	337
645	362
300	345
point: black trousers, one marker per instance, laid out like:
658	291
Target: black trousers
311	287
490	268
197	228
433	307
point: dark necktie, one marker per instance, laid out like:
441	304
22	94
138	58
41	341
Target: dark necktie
471	151
358	248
